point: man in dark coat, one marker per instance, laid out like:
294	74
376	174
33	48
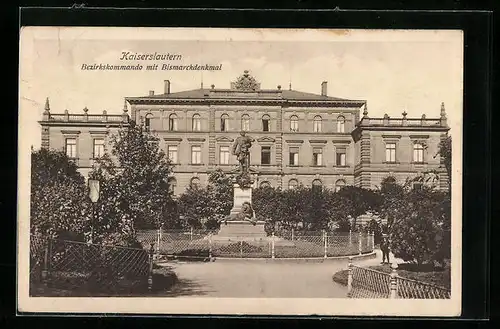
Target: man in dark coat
384	246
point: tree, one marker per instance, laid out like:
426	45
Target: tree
393	201
220	188
359	201
134	192
419	235
195	205
444	151
204	207
59	201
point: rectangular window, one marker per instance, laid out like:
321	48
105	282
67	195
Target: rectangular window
265	124
98	147
224	155
265	155
317	156
294	156
172	153
340	157
196	154
390	152
418	153
71	147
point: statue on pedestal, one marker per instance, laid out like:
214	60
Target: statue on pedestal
241	148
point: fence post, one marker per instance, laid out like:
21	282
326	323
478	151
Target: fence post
373	240
272	246
293	231
394	281
191	234
210	246
350	236
326	244
150	274
158	239
349	277
241	248
46	259
360	246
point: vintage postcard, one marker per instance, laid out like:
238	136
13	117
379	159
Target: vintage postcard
240	171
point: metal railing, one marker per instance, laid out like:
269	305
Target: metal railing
204	244
85	268
368	283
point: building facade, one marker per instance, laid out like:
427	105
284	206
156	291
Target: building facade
298	137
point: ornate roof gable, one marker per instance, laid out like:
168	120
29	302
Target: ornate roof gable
245	82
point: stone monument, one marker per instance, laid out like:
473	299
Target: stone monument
241	223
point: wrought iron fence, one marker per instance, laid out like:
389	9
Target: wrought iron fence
407	288
204	244
368	283
84	268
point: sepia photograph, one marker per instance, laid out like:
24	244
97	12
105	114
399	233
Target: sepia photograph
240	171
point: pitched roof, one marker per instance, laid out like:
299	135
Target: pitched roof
201	92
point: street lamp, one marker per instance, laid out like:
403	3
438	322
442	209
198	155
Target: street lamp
94	190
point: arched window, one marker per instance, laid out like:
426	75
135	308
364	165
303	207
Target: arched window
340	124
293	183
418	152
195	182
294	123
224	122
317	124
196	126
172	122
172	184
266	120
317	185
245	122
147	122
389	180
339	184
265	184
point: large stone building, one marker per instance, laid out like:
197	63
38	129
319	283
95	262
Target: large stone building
299	138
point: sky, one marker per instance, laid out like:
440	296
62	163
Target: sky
395	71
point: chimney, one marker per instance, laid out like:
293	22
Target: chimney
323	89
151	92
167	86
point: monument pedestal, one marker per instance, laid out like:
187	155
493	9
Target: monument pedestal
241	231
240	196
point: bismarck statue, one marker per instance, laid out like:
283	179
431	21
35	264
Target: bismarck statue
241	148
242	211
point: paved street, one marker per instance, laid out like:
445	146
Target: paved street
247	278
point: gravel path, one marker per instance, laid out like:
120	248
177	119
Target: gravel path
254	279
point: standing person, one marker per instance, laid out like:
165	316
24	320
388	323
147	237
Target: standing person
384	246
